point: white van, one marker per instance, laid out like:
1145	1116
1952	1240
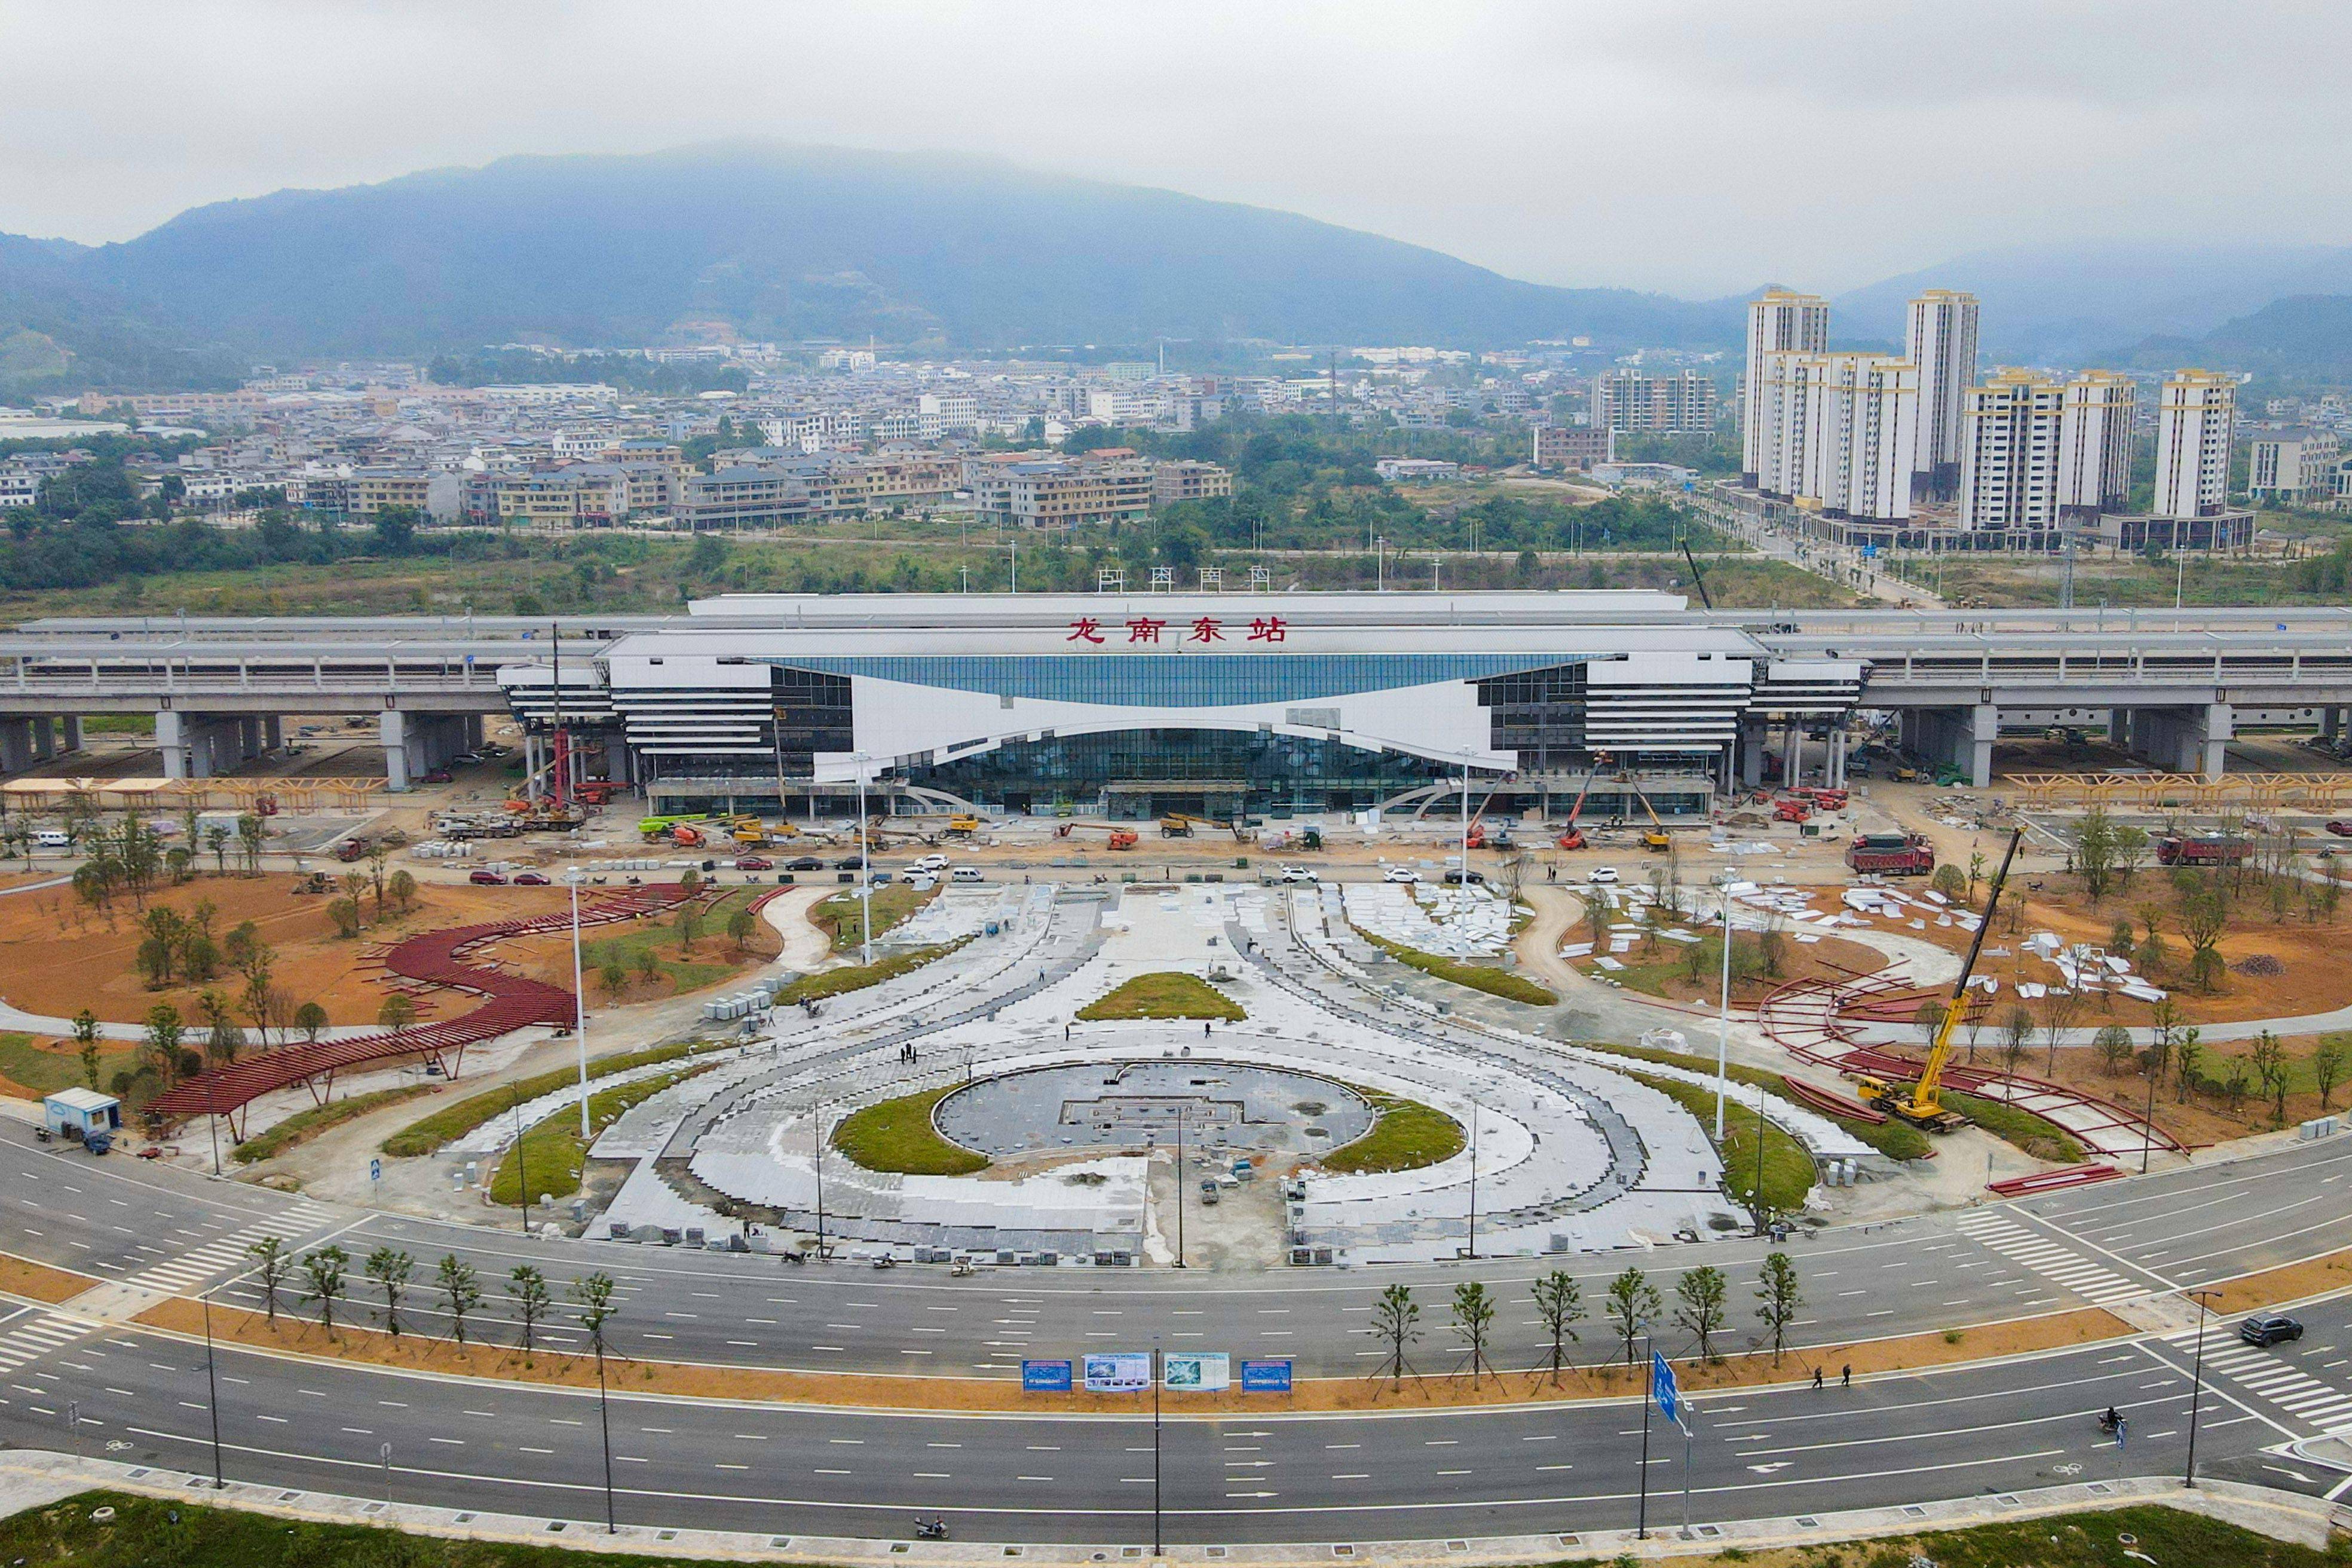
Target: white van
965	874
52	838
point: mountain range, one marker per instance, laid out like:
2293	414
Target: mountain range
947	253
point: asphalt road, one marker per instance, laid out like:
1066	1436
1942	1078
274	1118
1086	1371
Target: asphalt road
117	1220
144	1399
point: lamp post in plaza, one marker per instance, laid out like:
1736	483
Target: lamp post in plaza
1723	1024
2197	1384
865	863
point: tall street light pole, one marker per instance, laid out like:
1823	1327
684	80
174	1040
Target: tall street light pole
865	863
212	1392
1723	1021
2197	1384
579	1004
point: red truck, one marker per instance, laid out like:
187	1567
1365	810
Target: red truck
2209	849
1891	855
1791	809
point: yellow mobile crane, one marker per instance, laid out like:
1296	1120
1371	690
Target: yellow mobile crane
1922	1104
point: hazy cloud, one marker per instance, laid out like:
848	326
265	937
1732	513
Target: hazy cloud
1699	148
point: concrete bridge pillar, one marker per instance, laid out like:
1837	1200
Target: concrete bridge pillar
1792	757
1751	755
44	738
72	722
2211	738
16	745
2331	722
1975	755
391	729
616	758
273	732
171	739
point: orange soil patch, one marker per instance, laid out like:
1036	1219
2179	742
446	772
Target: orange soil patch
416	1353
312	964
2292	1282
2314	981
38	1281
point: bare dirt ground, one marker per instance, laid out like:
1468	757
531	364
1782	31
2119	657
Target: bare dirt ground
100	949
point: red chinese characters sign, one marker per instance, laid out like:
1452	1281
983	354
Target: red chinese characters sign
1202	629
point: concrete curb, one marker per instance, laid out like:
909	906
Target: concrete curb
32	1479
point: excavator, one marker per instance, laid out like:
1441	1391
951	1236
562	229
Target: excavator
1921	1104
1655	836
1176	825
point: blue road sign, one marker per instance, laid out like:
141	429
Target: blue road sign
1266	1376
1664	1389
1045	1377
375	1169
1869	552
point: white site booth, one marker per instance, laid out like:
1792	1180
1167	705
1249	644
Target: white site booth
79	1112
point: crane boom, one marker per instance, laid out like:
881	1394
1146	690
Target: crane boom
1698	578
1922	1104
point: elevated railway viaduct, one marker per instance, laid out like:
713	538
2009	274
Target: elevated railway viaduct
2173	687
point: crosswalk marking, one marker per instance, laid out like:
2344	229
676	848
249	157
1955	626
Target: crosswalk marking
2046	1257
37	1336
2267	1378
228	1253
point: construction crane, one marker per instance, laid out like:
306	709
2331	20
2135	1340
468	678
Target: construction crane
1698	578
1922	1104
1571	837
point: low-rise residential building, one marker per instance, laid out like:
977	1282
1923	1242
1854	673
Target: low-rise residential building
1187	481
2293	465
741	496
1053	493
386	490
19	487
1396	469
1572	445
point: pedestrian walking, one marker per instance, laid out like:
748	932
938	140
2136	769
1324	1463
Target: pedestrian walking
1817	1377
1845	1377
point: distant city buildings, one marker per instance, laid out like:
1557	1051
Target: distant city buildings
1940	338
1627	400
2289	468
1778	322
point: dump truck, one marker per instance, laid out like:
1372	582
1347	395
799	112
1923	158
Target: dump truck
2204	849
1891	855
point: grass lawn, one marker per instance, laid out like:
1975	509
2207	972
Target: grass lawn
46	1072
1406	1136
896	1135
1167	995
2042	1139
842	915
1890	1138
450	1122
858	976
142	1531
553	1155
304	1125
711	961
1487	977
1787	1168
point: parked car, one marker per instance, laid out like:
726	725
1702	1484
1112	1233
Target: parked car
438	776
2341	827
1601	874
754	863
965	874
2265	1328
804	863
488	879
1457	877
933	862
1296	874
848	863
1400	874
530	879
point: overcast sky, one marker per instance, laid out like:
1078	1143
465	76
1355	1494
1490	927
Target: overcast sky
1695	148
